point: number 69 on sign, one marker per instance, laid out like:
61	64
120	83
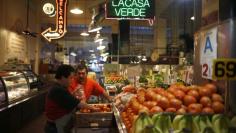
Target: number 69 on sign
224	69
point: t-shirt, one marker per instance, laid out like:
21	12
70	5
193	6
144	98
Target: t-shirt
59	102
91	87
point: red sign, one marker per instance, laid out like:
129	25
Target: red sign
60	22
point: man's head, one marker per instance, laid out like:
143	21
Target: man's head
64	73
81	72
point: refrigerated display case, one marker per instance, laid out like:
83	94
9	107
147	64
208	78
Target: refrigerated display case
32	78
15	84
3	99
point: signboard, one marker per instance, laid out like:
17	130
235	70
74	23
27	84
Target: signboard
16	48
130	9
224	69
60	22
208	51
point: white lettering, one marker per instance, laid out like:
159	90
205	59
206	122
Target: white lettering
113	4
117	12
146	3
140	3
128	3
121	3
142	12
134	3
124	12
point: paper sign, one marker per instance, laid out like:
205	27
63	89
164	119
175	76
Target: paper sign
208	51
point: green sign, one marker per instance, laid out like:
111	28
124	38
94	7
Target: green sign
130	9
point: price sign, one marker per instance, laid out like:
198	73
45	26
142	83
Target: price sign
224	69
208	51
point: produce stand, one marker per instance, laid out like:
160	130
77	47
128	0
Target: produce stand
119	122
95	122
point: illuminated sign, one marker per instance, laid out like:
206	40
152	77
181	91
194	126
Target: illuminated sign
48	8
130	9
60	22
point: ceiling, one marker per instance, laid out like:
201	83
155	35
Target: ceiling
141	39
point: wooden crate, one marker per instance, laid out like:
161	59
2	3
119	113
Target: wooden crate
95	120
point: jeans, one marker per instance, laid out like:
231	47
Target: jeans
50	127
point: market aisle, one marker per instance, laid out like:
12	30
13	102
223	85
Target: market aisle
35	126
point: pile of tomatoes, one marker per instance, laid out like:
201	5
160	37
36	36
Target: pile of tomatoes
102	108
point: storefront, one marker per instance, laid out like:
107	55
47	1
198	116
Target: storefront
169	65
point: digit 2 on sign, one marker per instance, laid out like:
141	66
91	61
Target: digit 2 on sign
205	69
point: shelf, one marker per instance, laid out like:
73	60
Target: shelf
12	76
16	85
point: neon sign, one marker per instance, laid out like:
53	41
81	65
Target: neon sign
130	9
60	22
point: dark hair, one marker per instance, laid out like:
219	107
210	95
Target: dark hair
81	67
64	71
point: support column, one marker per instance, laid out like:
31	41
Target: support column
124	34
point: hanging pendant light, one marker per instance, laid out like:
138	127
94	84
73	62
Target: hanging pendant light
84	33
76	10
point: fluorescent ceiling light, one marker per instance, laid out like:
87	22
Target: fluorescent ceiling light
101	47
91	51
73	54
104	54
98	40
144	58
76	11
84	34
192	18
95	29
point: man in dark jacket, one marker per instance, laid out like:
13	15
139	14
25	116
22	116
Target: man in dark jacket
60	104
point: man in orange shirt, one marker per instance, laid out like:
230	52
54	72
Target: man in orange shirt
83	87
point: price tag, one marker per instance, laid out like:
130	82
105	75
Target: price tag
224	69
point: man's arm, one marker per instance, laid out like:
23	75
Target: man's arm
102	91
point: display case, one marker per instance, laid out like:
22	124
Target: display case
3	98
32	78
15	84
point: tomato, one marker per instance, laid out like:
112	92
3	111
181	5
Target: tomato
150	104
189	100
179	94
205	101
175	103
156	109
193	93
181	111
218	107
171	110
163	102
170	96
217	98
211	87
194	108
204	92
208	110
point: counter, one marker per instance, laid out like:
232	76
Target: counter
15	115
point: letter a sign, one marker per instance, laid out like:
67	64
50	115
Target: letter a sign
208	51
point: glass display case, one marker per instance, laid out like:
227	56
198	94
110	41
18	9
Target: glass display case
16	85
32	79
3	98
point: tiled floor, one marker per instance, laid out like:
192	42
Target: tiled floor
35	126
